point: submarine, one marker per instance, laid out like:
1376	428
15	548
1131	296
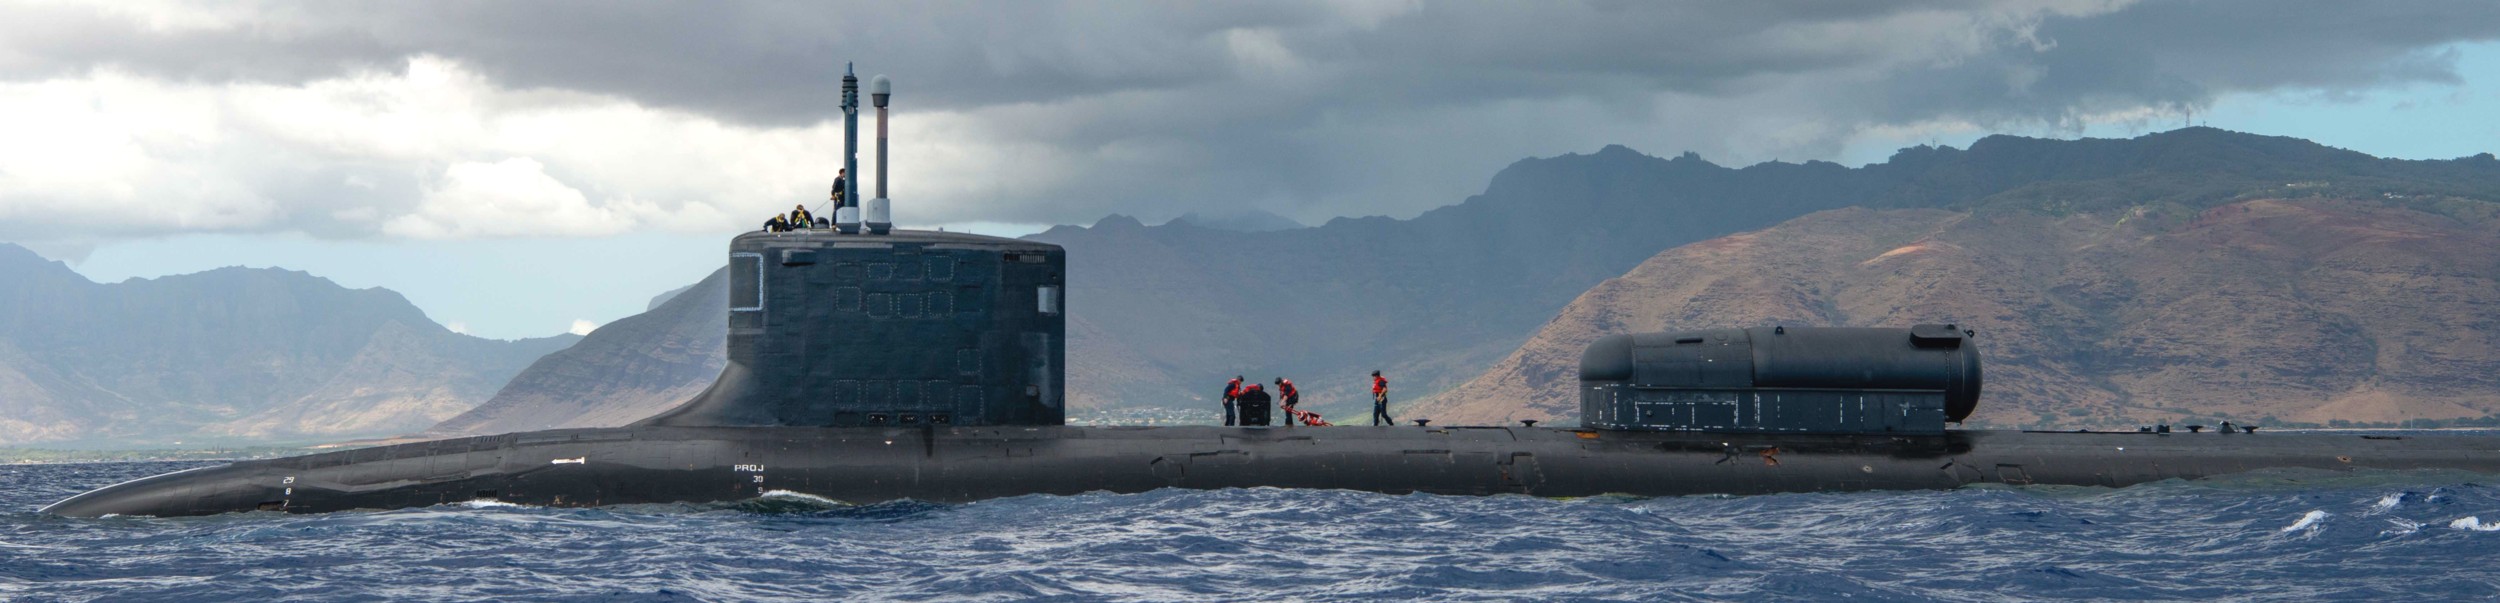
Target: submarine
871	364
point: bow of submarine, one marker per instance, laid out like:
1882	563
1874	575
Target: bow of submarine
187	492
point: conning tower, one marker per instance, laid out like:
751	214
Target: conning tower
1782	380
907	328
853	326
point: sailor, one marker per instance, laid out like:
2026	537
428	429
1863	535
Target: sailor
1232	392
1287	397
1254	407
1380	400
776	224
799	218
838	177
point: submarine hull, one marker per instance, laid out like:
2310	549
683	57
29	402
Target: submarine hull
660	464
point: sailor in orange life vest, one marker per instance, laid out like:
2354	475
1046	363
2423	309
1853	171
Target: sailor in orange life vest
1380	400
1232	392
1287	397
1254	406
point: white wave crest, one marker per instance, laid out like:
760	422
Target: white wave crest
2401	527
2474	523
802	496
2307	521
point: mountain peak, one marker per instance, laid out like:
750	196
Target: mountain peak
1118	221
1616	149
230	275
18	263
1920	155
13	254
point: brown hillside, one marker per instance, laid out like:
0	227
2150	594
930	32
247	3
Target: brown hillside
2308	310
629	369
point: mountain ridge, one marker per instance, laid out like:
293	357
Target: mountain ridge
252	353
626	370
1616	207
1161	315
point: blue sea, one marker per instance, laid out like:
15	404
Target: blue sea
2393	536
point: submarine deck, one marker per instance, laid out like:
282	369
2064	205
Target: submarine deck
590	467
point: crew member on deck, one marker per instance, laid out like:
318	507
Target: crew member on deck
776	224
840	176
799	218
1232	392
1254	407
1380	400
1287	397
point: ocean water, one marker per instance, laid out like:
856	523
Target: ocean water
2390	536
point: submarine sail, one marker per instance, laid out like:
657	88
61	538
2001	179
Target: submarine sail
904	329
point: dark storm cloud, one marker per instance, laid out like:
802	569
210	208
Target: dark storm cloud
1351	107
769	62
2180	55
747	62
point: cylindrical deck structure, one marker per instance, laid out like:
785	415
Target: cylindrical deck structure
1782	380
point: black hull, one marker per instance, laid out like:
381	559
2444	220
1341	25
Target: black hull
593	467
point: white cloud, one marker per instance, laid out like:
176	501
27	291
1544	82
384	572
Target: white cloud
458	327
432	151
436	151
114	151
507	198
583	327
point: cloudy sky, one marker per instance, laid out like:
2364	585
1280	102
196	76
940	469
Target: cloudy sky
522	168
